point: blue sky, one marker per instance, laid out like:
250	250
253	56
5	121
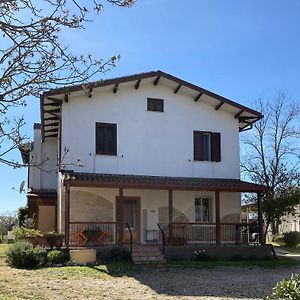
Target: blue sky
239	49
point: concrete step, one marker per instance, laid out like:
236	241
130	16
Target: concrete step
147	255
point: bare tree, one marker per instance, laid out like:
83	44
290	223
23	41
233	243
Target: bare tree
272	157
7	223
33	57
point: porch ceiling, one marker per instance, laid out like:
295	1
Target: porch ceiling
159	182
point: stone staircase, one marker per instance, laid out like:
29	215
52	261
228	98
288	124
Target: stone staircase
147	255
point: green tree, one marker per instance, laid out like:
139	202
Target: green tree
272	153
33	57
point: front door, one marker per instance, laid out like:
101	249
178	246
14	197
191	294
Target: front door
132	218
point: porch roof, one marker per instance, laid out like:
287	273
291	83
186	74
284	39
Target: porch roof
159	182
42	193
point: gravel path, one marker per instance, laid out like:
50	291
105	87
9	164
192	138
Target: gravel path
219	283
222	283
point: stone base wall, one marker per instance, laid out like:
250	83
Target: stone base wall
188	252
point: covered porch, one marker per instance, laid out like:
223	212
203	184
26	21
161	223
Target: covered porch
106	210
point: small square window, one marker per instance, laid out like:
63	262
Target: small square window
155	104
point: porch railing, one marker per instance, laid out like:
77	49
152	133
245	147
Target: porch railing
92	234
205	233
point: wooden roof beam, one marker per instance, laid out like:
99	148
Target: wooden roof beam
156	80
59	101
66	98
177	89
90	93
54	110
115	88
52	104
237	115
51	135
198	97
219	105
51	118
51	130
51	113
51	124
137	84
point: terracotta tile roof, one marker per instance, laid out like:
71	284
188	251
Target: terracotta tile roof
160	182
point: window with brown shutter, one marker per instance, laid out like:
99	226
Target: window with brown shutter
106	138
207	146
155	104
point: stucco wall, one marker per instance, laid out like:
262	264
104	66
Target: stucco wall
150	143
98	204
44	155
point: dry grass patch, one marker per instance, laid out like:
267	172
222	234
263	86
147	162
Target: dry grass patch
179	280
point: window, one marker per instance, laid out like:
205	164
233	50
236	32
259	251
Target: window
207	146
106	139
155	104
130	207
202	209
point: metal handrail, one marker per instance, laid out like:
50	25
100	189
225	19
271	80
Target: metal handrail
130	232
163	237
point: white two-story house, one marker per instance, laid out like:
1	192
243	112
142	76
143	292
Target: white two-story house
138	156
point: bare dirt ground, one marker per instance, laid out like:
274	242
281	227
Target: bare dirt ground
143	283
126	281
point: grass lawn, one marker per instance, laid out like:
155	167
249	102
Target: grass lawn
113	280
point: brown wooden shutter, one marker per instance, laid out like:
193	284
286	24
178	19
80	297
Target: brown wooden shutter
198	146
106	139
215	146
99	138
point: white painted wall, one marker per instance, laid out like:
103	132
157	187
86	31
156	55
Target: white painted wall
149	143
44	155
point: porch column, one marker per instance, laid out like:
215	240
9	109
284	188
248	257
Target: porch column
218	227
170	215
67	215
121	216
260	220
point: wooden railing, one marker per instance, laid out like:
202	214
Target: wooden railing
92	234
95	234
206	233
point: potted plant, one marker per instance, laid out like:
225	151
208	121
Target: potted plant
35	237
54	239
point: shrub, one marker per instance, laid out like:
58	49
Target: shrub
286	289
22	232
292	238
202	255
119	254
23	255
236	257
54	239
57	257
278	239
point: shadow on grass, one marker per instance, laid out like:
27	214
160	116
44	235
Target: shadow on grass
215	278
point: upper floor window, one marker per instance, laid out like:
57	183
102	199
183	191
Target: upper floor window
207	146
106	138
202	209
155	104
